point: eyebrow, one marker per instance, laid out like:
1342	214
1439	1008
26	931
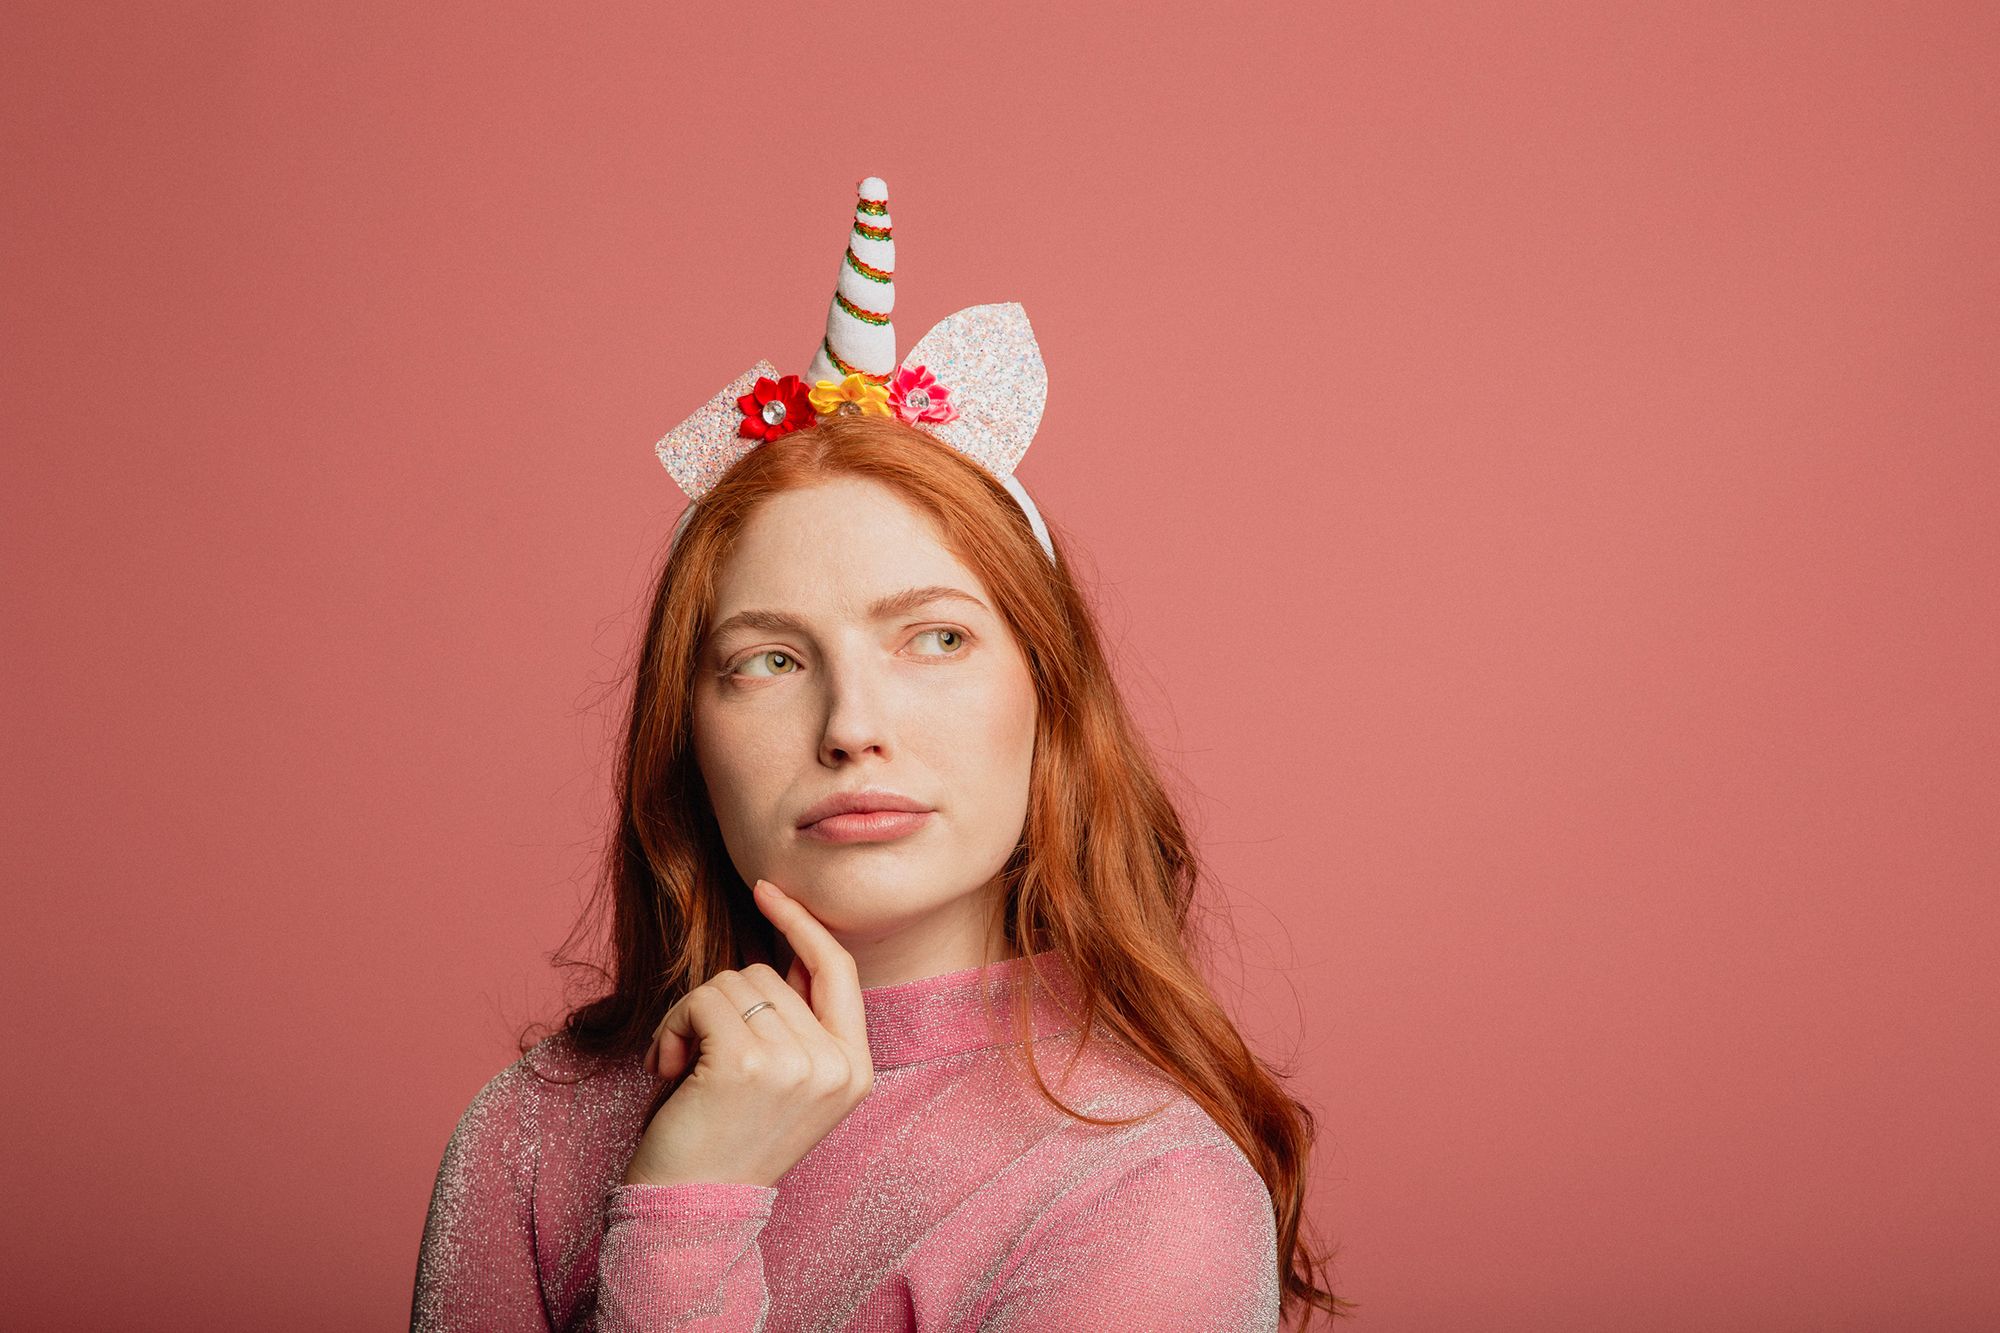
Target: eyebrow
895	604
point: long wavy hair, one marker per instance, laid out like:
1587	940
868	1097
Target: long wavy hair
1105	872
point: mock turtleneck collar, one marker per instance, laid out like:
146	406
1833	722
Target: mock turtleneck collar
930	1017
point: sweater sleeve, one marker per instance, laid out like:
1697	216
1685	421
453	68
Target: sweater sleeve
684	1257
476	1263
1186	1243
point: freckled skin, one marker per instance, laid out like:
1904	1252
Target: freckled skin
936	703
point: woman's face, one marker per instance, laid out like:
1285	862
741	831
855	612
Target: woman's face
830	685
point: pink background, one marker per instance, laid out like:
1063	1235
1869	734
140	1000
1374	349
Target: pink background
1537	466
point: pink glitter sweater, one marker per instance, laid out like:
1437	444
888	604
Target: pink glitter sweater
952	1197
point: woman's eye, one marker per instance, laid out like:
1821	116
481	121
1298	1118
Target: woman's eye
773	654
782	663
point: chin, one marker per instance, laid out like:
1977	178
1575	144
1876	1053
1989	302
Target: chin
864	887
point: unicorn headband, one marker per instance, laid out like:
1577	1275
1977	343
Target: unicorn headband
975	381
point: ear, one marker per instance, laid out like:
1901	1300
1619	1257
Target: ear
987	356
699	450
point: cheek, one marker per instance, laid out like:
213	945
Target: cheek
732	762
999	729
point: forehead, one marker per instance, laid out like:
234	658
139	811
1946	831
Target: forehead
835	547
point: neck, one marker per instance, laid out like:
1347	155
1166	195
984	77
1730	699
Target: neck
953	1012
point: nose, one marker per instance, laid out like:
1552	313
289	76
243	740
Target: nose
859	711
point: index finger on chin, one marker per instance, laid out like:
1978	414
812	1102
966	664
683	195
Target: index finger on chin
836	987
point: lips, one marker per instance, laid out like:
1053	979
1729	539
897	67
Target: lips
866	826
868	800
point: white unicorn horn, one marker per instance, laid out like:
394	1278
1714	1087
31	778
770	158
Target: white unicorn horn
860	340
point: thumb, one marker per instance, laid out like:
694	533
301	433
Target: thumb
799	980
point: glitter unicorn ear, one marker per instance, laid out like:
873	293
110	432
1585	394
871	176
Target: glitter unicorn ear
975	381
988	355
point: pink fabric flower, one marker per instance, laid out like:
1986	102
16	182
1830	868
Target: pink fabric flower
917	396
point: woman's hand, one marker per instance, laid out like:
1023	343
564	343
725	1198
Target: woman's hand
765	1089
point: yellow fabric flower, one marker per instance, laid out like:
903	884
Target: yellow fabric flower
871	399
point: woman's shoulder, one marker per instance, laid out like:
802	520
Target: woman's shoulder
551	1119
1172	1181
522	1176
552	1078
559	1057
1111	1081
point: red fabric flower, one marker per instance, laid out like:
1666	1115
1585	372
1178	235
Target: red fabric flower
775	407
916	396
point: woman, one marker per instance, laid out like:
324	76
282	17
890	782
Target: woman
902	1029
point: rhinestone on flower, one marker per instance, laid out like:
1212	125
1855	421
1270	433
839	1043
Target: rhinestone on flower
915	395
773	408
854	394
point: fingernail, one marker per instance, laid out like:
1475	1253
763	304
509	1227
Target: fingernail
775	890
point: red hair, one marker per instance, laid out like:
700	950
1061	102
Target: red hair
1105	871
